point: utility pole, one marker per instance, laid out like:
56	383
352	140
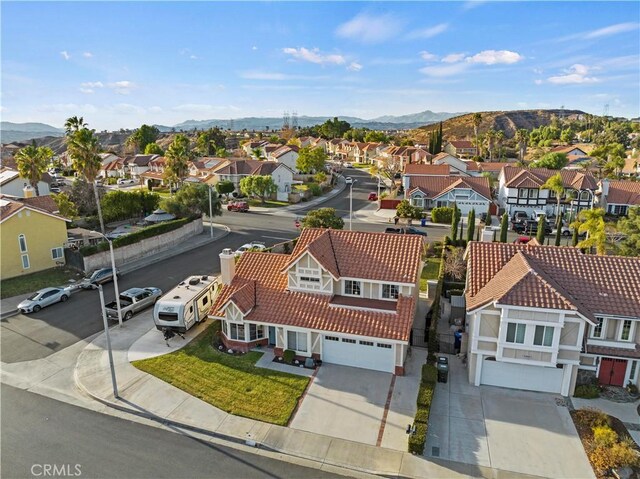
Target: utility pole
108	338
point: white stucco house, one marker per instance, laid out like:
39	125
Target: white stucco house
467	193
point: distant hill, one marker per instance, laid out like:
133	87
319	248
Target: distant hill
461	127
10	132
426	116
110	141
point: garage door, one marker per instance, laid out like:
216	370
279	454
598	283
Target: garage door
358	353
520	376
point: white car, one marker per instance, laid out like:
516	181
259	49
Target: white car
348	165
127	182
44	297
348	180
253	246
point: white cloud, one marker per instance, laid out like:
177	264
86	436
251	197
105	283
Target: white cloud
254	48
366	28
472	4
574	75
65	54
86	90
538	71
193	57
613	30
257	75
314	56
444	70
493	57
123	87
453	58
127	109
92	84
354	67
538	81
87	55
425	55
429	32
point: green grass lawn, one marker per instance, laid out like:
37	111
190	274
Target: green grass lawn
231	383
361	165
35	281
268	203
430	271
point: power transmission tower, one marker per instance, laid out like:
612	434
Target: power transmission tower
286	120
294	120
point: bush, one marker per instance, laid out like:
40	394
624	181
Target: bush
422	415
425	394
315	189
289	355
605	458
587	391
591	418
417	440
421	420
604	436
150	231
88	250
443	215
429	373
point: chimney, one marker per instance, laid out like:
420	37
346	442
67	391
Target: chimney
28	191
604	186
227	265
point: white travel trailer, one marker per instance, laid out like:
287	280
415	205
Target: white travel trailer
186	304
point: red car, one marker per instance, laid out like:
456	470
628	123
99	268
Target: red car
373	197
241	206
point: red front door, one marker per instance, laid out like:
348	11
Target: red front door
612	371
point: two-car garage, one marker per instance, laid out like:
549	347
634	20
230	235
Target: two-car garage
359	353
521	376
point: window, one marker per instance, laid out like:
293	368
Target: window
309	280
366	343
596	331
25	261
419	201
167	316
384	345
625	331
585	196
205	300
632	373
256	332
515	333
22	241
297	341
533	193
56	253
523	193
552	194
543	336
352	287
332	338
236	331
390	291
348	340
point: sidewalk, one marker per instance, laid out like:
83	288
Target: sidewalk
9	306
149	397
287	210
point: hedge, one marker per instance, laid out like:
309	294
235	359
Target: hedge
443	214
425	397
432	342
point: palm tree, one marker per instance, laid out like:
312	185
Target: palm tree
522	137
32	163
489	137
556	185
593	225
84	148
499	139
477	119
178	155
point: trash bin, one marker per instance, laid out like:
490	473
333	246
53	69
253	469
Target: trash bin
442	366
423	222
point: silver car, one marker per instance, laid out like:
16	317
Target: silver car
43	298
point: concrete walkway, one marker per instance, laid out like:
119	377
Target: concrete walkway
292	209
626	412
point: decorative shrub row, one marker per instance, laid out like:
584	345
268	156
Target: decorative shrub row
443	214
421	421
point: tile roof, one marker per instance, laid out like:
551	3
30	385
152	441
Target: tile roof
434	186
461	144
435	170
567	149
560	278
610	351
493	167
236	166
45	203
10	205
570	178
471	165
631	165
624	193
441	156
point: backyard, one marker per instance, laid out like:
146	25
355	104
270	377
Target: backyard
430	271
230	382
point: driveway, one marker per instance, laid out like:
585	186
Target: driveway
360	405
506	429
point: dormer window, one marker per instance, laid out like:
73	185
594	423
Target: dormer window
352	288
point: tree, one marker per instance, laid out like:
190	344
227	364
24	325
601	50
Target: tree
153	149
210	140
120	205
257	152
630	226
333	128
542	223
406	210
455	220
488	220
489	138
32	163
323	218
504	228
192	200
555	184
320	177
522	137
221	153
225	187
567	135
376	137
65	205
552	161
455	265
592	223
144	135
610	156
476	119
178	155
471	224
387	167
261	186
311	160
84	148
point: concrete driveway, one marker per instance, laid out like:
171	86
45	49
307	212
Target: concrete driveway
510	430
360	405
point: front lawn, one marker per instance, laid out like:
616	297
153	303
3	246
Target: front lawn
35	281
268	203
430	271
231	383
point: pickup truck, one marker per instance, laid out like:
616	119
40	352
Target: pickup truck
408	230
132	301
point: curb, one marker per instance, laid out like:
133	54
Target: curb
8	314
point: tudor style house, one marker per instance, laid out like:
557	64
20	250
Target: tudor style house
434	191
520	189
345	297
547	318
616	197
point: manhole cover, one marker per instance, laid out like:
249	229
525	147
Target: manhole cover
435	451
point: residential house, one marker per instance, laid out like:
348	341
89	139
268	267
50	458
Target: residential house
547	318
11	183
617	196
8	152
250	146
154	176
520	189
631	168
111	169
457	166
570	151
203	167
413	169
106	158
461	149
281	174
435	191
319	143
138	164
32	234
493	167
286	155
305	141
345	297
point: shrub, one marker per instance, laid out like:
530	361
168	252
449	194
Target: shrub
315	189
425	394
590	418
604	436
422	415
289	355
443	214
587	391
605	458
632	388
417	440
150	231
421	420
88	250
429	374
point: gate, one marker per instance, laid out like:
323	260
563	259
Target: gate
612	371
74	259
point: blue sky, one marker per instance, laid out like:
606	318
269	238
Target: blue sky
122	64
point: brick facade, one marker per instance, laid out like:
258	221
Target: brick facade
241	345
399	371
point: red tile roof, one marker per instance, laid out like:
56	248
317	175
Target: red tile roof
624	193
45	203
434	186
570	178
567	149
461	144
493	167
609	351
430	170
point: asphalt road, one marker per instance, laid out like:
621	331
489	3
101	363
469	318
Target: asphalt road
38	433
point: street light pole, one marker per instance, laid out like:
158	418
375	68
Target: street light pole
351	204
106	333
210	214
378	185
115	277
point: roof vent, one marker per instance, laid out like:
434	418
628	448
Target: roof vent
176	297
226	251
204	277
194	281
182	283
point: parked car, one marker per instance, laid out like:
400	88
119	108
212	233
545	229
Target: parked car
373	197
530	227
348	165
126	182
253	246
99	276
241	206
348	180
44	297
519	216
406	230
132	301
54	189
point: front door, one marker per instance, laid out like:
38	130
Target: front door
272	335
612	371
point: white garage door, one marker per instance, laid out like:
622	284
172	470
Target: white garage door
520	376
358	353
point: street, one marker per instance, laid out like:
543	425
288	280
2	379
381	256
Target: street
40	434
